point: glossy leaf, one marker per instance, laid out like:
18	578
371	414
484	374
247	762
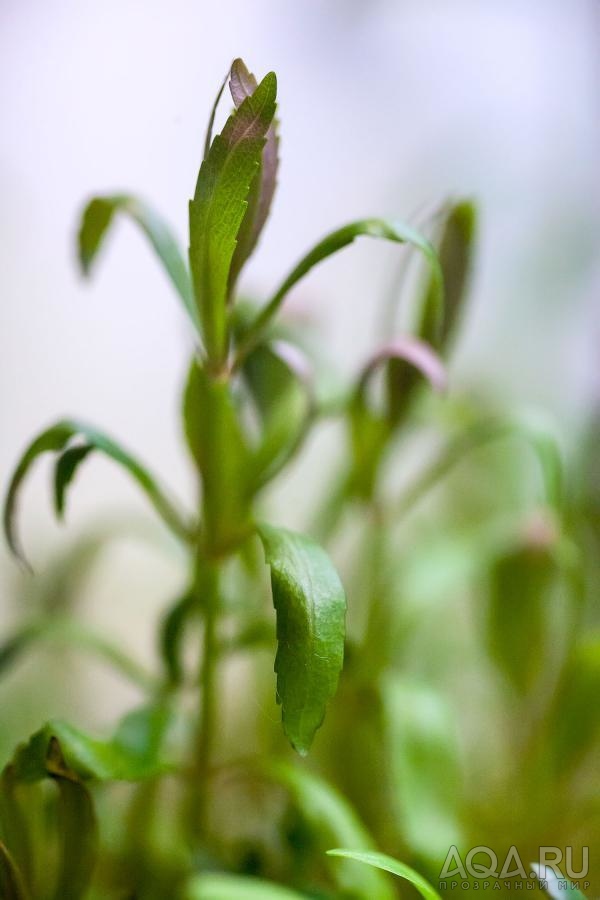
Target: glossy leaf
397	232
55	439
243	84
221	886
12	886
219	206
311	608
97	218
331	819
389	864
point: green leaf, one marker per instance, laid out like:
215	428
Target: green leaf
96	220
77	828
220	886
55	439
389	864
331	819
124	757
422	749
219	449
455	245
557	888
12	886
397	232
282	395
218	208
311	608
172	634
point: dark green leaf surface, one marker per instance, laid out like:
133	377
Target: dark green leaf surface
12	886
218	208
311	608
389	864
97	218
55	439
397	232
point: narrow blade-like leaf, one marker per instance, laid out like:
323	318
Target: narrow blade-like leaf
389	864
311	608
221	886
397	232
96	220
55	439
218	208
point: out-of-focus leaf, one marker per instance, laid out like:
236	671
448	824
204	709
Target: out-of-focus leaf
97	218
311	609
425	767
77	828
456	244
220	886
13	824
575	714
218	208
331	819
519	607
556	887
55	439
243	84
218	446
118	759
172	632
389	864
12	886
282	397
377	228
66	632
408	361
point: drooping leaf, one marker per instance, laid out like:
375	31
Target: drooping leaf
331	819
221	886
219	206
55	439
556	887
407	361
96	220
66	467
389	864
219	449
397	232
12	886
456	244
243	84
172	633
311	608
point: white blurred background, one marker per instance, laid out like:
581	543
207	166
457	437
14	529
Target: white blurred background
385	106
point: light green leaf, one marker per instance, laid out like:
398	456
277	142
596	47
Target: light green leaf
389	864
12	886
220	886
219	206
96	220
331	819
557	888
311	608
55	439
397	232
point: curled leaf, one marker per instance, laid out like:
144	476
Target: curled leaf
55	439
97	217
311	609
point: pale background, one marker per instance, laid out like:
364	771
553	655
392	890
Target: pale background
385	105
